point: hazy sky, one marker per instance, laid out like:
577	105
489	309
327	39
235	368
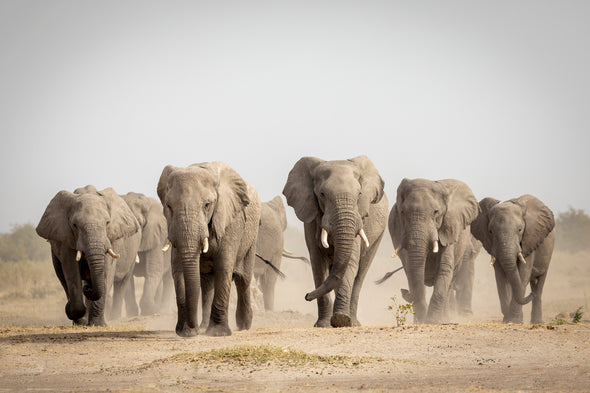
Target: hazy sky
494	93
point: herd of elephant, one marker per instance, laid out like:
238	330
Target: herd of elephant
210	229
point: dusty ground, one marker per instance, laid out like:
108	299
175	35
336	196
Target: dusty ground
40	350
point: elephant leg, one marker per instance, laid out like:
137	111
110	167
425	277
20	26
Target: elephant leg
207	290
537	309
117	305
59	272
243	281
167	290
320	272
464	286
364	264
129	291
153	278
442	285
218	321
267	284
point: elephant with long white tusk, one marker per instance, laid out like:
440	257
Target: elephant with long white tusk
519	234
343	207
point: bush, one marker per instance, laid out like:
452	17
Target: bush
572	230
23	244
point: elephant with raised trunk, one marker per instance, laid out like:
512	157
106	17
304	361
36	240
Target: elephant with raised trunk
344	210
94	241
269	249
213	217
519	234
153	264
429	227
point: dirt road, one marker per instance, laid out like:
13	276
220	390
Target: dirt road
135	355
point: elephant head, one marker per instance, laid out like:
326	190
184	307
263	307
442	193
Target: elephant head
87	221
428	214
510	231
150	216
200	201
338	195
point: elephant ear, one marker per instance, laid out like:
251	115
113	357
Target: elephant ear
232	196
395	226
462	209
163	182
276	204
155	229
479	227
299	189
371	184
54	224
538	221
139	205
123	223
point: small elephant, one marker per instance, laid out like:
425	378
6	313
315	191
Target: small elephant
213	217
519	234
429	227
269	248
344	210
88	231
153	265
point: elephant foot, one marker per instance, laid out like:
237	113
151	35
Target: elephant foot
355	322
186	331
511	319
322	323
80	322
406	295
218	330
340	320
97	322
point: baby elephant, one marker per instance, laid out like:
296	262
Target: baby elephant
519	235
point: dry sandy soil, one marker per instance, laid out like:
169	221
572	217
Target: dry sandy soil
40	350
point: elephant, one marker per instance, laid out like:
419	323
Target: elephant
343	206
88	231
269	248
153	265
430	228
212	216
519	234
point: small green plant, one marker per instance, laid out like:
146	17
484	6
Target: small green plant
558	321
401	311
578	314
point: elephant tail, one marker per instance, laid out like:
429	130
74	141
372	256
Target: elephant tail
288	254
387	275
273	267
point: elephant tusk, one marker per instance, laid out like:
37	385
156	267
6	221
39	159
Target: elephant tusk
113	254
521	258
435	247
78	256
287	251
167	246
364	237
205	245
492	261
325	238
137	258
396	252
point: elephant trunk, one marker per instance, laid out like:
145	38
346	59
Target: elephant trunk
96	263
508	264
415	273
189	259
346	228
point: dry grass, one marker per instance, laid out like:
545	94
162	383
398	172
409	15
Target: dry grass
28	279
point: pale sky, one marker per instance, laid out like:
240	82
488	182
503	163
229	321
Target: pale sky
496	94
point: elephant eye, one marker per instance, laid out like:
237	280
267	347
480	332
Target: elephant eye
169	208
207	205
436	211
519	230
108	222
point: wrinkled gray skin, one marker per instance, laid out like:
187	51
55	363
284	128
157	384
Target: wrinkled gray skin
341	197
154	265
210	201
91	222
426	212
521	225
269	247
